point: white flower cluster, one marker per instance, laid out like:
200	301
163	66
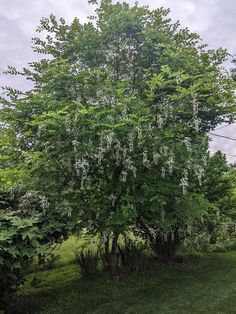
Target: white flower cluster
145	159
187	143
109	140
124	175
163	172
139	132
82	169
184	181
199	171
75	144
44	202
160	121
129	152
131	142
162	215
156	158
113	198
68	123
40	129
170	162
196	119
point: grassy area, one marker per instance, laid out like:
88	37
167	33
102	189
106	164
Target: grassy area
203	285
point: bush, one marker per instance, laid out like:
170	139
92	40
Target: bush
88	260
27	230
19	245
133	257
208	236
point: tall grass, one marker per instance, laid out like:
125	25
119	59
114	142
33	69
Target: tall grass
133	256
88	260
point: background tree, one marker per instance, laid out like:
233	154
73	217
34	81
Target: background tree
219	186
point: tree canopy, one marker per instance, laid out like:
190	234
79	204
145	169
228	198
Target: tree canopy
115	126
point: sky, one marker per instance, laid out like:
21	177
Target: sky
214	20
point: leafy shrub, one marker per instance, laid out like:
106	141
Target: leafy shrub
27	230
196	241
211	235
133	257
19	245
88	260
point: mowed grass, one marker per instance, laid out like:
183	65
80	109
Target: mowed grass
201	285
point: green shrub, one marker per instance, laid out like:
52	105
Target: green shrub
133	257
27	230
208	236
19	245
88	260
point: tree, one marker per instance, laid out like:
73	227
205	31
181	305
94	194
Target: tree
121	99
219	186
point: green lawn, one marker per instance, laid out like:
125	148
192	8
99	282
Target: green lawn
203	285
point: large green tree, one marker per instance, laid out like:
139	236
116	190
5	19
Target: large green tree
117	102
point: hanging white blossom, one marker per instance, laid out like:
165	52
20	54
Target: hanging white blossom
113	198
40	129
124	175
156	157
139	132
160	121
164	150
131	142
75	143
163	172
81	167
184	181
196	123
145	159
162	215
187	143
134	170
109	139
170	162
117	151
199	171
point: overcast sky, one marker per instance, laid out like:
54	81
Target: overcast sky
214	20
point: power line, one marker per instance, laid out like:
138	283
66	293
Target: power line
229	155
227	137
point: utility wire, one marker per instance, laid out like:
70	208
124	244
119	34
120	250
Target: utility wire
227	137
229	155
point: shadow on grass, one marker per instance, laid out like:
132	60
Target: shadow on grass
201	286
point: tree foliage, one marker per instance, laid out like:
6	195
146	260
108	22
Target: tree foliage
115	126
19	244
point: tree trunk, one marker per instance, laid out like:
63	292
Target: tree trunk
107	253
113	255
166	244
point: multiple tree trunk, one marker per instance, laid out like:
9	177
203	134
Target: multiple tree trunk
163	243
111	255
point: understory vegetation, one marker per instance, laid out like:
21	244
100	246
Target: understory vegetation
108	193
200	283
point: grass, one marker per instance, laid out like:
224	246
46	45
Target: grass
66	250
204	285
